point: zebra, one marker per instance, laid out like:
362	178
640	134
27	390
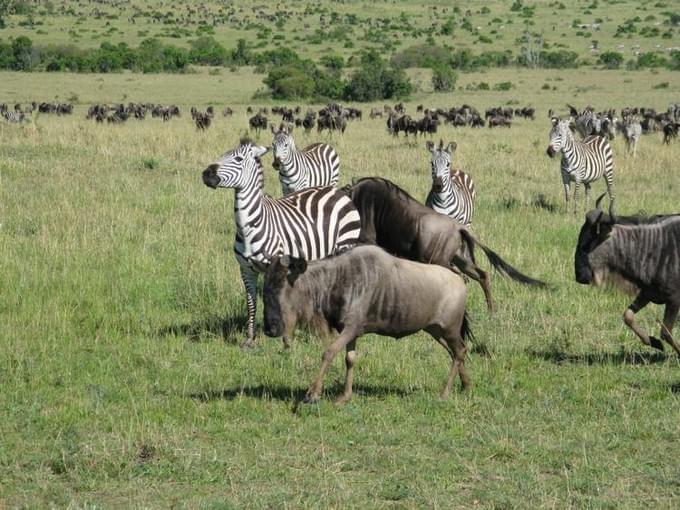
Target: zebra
310	224
632	131
453	192
583	161
315	165
14	117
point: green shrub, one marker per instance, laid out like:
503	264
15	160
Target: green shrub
374	80
443	78
611	59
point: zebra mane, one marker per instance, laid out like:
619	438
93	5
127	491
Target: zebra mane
245	140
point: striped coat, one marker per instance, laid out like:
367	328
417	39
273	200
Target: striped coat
583	161
311	224
453	191
315	165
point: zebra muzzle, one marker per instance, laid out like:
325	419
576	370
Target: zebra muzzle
210	177
551	151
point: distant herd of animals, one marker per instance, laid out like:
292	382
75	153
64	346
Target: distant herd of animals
631	123
369	258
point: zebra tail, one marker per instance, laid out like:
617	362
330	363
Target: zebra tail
502	266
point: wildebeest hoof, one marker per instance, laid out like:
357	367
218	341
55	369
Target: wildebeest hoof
656	343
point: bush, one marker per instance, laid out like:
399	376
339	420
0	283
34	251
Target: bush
291	81
611	59
504	85
558	59
651	60
375	80
443	78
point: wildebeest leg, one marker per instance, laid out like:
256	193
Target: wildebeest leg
629	318
350	358
329	354
249	278
456	348
669	317
471	269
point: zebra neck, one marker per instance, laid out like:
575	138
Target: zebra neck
568	148
443	197
248	205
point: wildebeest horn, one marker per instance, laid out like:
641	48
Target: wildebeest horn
599	200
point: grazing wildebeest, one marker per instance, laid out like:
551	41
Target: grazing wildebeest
643	253
366	290
398	223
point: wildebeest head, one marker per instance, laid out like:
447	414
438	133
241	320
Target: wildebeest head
282	144
441	163
278	281
591	249
560	133
235	168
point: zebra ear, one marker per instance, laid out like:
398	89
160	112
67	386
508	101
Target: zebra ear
273	128
554	121
429	145
260	151
451	147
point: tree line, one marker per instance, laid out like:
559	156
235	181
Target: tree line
363	77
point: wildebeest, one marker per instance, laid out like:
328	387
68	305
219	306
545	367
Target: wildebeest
404	227
366	290
643	253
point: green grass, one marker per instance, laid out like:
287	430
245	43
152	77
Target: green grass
120	305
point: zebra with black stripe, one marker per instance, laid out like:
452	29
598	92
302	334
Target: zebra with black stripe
311	224
583	161
315	165
453	191
14	117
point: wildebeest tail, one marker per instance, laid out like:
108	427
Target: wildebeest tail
500	264
465	330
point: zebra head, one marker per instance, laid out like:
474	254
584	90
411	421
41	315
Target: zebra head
282	144
560	134
441	163
236	168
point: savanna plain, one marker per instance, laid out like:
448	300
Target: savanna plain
121	311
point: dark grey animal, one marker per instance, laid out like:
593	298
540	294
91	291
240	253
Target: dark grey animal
366	290
398	223
641	253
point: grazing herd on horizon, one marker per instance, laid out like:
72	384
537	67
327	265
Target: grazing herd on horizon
362	258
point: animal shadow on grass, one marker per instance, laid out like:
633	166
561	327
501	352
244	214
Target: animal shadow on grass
560	357
233	328
295	395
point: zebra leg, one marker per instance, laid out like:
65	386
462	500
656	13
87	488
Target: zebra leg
586	186
565	182
577	187
249	278
609	179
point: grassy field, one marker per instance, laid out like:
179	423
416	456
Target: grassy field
344	28
121	304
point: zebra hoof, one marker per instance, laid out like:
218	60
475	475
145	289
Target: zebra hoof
248	345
